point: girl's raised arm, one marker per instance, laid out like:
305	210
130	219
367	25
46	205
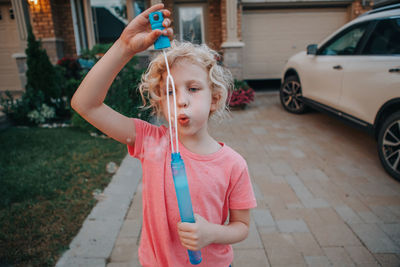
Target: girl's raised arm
88	100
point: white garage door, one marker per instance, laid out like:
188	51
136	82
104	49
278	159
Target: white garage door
272	36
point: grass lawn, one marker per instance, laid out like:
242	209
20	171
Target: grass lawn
47	177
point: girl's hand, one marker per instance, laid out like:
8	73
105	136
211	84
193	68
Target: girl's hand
195	236
138	35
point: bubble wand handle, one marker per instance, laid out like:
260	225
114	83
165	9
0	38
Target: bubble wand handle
156	20
184	200
177	164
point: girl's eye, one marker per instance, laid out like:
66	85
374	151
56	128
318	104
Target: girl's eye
193	89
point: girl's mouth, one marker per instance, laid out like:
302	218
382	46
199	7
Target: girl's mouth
183	120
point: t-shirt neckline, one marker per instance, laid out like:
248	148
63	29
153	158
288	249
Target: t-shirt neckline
186	152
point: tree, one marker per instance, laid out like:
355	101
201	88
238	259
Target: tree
41	74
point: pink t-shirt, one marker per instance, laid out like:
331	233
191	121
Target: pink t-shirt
218	182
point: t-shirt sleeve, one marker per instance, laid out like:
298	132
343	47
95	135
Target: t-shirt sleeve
241	191
144	131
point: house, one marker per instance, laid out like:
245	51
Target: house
255	37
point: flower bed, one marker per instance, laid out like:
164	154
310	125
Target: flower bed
242	95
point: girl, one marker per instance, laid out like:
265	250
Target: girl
218	177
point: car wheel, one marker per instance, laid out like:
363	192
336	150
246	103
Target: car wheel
389	145
291	95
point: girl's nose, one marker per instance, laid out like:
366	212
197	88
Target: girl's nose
182	99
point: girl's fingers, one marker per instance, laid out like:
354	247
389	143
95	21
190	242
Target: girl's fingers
188	242
169	33
152	36
151	9
166	23
189	245
187	235
185	227
166	12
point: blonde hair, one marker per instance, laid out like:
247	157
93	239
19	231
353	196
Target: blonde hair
220	79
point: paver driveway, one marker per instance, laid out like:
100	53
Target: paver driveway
323	198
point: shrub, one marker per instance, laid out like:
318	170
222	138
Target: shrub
97	51
41	75
71	74
71	67
17	109
43	87
29	110
123	95
242	95
42	114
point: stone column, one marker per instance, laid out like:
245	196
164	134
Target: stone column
232	47
89	24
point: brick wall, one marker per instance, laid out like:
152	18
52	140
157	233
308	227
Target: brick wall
52	22
42	19
215	25
224	33
356	9
213	17
63	25
169	4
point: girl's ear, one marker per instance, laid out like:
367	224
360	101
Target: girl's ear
215	98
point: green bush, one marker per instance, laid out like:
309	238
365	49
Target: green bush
240	84
97	49
43	87
72	73
68	74
41	75
123	95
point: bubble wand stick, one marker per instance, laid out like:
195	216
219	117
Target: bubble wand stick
177	164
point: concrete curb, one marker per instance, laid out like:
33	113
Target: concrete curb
93	245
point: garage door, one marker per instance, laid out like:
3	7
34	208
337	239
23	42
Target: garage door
272	36
9	44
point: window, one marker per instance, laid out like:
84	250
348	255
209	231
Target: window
138	7
109	19
385	39
78	18
191	24
346	42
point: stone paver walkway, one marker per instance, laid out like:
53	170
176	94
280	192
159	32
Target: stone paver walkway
323	197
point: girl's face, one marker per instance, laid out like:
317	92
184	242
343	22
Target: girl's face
194	100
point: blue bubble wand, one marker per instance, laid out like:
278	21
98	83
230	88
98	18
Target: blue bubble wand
177	164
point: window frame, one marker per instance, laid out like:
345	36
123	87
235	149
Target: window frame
360	44
203	26
370	33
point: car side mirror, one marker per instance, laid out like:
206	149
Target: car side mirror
312	49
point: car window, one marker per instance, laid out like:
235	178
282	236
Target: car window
385	39
345	43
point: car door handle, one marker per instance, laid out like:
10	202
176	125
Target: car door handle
394	70
337	67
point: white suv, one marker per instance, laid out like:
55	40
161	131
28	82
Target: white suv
355	75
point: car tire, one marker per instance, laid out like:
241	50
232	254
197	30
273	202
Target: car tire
389	145
291	95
